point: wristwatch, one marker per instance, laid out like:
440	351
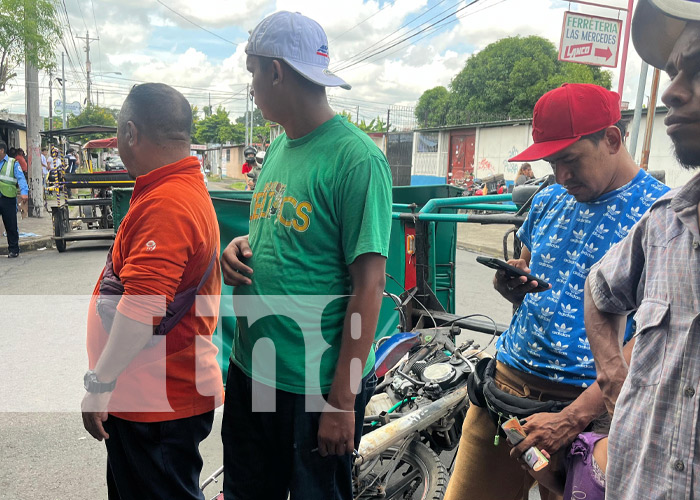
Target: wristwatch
95	386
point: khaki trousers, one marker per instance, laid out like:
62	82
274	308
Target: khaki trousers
484	471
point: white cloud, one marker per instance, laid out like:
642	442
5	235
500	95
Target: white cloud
127	30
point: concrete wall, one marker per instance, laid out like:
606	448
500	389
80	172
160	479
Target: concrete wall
495	144
232	159
379	139
661	152
430	168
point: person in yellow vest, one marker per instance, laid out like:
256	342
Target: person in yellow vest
11	181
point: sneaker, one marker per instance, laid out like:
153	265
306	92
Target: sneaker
13	255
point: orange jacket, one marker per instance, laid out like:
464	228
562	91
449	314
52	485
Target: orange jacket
163	246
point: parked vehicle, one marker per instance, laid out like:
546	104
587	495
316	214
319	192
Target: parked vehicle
114	164
78	215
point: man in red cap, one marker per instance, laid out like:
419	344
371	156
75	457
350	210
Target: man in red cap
544	358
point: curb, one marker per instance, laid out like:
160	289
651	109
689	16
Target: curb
28	244
489	250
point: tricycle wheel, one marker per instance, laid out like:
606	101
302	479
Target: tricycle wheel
61	245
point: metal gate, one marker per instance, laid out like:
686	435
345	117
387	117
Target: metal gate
461	155
399	152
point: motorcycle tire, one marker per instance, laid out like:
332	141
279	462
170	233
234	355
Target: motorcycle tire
419	459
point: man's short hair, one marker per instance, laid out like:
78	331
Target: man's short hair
159	112
3	146
596	137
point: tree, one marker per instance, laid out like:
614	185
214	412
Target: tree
432	107
57	123
258	120
504	81
208	129
195	119
233	133
95	115
28	29
375	125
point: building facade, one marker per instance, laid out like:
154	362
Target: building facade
450	154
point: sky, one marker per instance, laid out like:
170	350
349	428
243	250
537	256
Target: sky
199	47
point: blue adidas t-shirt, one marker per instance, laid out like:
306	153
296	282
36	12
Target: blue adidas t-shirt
546	336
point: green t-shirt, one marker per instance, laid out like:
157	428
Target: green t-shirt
320	202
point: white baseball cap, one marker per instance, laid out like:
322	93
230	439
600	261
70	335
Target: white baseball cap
298	41
657	24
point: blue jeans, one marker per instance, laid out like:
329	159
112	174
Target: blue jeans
268	455
155	460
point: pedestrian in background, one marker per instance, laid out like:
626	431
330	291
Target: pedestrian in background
44	163
524	174
12	183
22	160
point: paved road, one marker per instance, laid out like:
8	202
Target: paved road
44	450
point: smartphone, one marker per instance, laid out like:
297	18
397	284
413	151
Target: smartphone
511	271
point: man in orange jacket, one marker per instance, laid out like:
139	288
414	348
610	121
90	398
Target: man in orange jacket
152	396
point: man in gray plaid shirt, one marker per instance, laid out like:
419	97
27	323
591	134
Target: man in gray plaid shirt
654	442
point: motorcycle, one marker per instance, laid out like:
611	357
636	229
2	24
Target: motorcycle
416	412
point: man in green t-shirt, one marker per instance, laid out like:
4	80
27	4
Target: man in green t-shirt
308	281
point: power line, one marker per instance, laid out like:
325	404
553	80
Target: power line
195	24
405	25
362	22
75	77
405	39
97	33
72	40
176	86
81	14
438	28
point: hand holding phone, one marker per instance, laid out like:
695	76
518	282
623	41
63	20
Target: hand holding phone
513	272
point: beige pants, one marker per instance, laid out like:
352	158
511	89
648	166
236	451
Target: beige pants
484	471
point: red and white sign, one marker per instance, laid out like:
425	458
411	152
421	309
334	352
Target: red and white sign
590	39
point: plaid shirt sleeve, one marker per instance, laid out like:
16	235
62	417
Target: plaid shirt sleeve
617	280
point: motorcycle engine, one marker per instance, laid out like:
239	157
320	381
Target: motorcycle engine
445	373
439	373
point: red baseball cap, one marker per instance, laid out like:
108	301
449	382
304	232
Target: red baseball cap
563	115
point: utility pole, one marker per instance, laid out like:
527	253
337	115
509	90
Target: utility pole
247	98
50	100
31	77
651	110
357	114
388	114
87	62
63	84
637	120
250	121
